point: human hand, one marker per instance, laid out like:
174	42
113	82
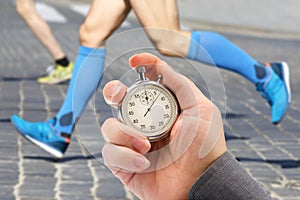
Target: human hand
174	164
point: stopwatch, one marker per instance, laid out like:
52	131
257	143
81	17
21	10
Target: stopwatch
149	107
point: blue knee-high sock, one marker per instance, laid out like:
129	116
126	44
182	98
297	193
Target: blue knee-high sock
226	55
85	79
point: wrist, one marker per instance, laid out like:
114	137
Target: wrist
219	149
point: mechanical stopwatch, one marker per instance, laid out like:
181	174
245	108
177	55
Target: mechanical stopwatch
149	107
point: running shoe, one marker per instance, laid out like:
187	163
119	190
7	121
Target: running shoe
60	74
276	90
43	135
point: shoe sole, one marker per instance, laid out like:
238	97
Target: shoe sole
285	75
286	79
58	81
43	146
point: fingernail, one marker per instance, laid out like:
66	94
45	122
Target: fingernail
113	92
116	90
141	162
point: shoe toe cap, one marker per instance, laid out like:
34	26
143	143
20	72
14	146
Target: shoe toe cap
279	109
19	123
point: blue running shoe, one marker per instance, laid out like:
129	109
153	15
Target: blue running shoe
43	135
276	90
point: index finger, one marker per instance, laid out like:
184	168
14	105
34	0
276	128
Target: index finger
186	92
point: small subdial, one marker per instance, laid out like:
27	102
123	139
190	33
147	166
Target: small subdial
146	98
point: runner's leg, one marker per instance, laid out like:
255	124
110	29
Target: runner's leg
170	40
103	18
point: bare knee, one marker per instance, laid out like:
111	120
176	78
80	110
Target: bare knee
162	44
166	52
92	35
169	42
24	8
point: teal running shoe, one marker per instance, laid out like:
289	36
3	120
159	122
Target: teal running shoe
276	90
43	135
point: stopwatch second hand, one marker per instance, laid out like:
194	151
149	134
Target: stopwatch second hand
152	104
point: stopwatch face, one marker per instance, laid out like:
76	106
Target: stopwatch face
150	108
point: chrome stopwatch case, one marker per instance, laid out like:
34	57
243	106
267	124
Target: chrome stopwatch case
149	107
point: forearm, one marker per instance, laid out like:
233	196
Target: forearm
226	179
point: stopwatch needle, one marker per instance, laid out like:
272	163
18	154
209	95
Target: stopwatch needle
149	109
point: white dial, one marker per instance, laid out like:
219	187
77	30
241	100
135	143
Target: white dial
150	108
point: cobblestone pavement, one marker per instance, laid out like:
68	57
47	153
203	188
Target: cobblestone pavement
270	153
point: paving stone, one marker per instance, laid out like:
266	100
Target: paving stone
270	153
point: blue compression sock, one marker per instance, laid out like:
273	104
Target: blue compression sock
226	55
85	79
